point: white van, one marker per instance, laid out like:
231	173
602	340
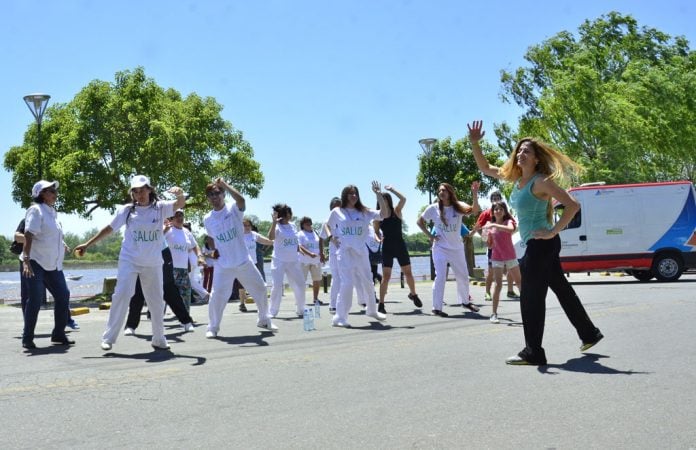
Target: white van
647	229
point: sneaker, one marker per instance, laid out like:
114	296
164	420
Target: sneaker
494	318
521	359
161	346
128	332
588	345
416	301
210	334
488	297
62	341
340	324
188	327
332	310
381	308
511	294
72	324
105	346
268	325
377	315
437	312
242	307
471	307
29	345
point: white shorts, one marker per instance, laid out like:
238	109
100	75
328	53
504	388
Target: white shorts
509	264
314	269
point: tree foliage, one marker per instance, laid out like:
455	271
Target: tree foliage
618	98
111	131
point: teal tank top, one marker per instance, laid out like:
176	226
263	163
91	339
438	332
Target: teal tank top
531	211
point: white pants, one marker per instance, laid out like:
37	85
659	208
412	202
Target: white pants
457	262
354	268
293	270
196	284
335	280
249	276
151	282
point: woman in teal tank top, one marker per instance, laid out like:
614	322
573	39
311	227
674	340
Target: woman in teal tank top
533	168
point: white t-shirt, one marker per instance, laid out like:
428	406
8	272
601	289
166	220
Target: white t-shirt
310	241
142	241
47	247
225	227
350	226
450	233
180	241
250	242
285	243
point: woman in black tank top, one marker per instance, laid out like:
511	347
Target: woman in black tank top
393	246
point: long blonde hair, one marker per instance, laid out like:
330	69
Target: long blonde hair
552	163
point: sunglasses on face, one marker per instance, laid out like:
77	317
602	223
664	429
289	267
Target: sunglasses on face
213	194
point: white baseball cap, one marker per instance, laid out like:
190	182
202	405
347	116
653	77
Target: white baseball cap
139	181
40	186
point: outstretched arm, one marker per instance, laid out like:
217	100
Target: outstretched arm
80	249
475	134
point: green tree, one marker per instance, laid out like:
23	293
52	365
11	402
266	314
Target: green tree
618	98
111	131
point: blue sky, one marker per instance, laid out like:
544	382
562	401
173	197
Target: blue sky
328	93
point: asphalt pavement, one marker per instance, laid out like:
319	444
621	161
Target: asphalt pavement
413	381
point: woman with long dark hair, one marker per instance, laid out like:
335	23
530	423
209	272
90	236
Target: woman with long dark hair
447	246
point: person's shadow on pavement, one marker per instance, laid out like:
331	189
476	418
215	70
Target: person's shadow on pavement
587	363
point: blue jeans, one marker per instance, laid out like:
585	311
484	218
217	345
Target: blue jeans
54	281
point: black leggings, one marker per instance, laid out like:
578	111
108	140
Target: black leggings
541	270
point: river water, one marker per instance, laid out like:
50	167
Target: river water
91	280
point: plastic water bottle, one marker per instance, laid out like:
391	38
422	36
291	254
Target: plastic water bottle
308	319
317	309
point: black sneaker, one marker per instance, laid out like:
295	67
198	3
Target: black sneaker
588	345
29	345
470	306
381	308
437	312
416	301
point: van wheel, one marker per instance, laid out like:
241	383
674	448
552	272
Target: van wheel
642	275
667	267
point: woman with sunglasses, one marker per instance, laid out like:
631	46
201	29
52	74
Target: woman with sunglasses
140	256
42	264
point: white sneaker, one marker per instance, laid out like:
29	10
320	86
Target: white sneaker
268	325
210	334
188	327
128	332
340	324
105	346
494	318
377	315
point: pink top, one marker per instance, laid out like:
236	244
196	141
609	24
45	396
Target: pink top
503	250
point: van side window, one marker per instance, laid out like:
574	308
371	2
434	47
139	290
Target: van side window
574	223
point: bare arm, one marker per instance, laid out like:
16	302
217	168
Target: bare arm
271	231
376	188
19	237
80	249
475	134
402	200
549	190
238	198
180	198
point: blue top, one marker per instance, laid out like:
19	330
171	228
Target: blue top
531	211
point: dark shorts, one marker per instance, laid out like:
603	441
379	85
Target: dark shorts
490	253
401	256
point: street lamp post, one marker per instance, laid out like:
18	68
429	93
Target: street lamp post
427	146
37	105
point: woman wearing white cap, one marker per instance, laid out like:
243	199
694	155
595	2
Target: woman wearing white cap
182	244
140	256
42	264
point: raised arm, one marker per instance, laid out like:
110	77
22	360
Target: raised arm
475	134
180	197
402	200
377	189
238	198
274	221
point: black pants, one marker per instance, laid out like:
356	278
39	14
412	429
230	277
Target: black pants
541	270
171	298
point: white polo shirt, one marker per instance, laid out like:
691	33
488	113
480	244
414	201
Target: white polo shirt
47	243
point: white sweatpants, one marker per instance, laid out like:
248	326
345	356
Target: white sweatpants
196	284
335	280
293	270
457	262
354	267
249	276
151	282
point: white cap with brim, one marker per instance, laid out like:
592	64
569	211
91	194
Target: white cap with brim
40	186
139	181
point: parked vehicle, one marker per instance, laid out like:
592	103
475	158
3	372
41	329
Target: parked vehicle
646	229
